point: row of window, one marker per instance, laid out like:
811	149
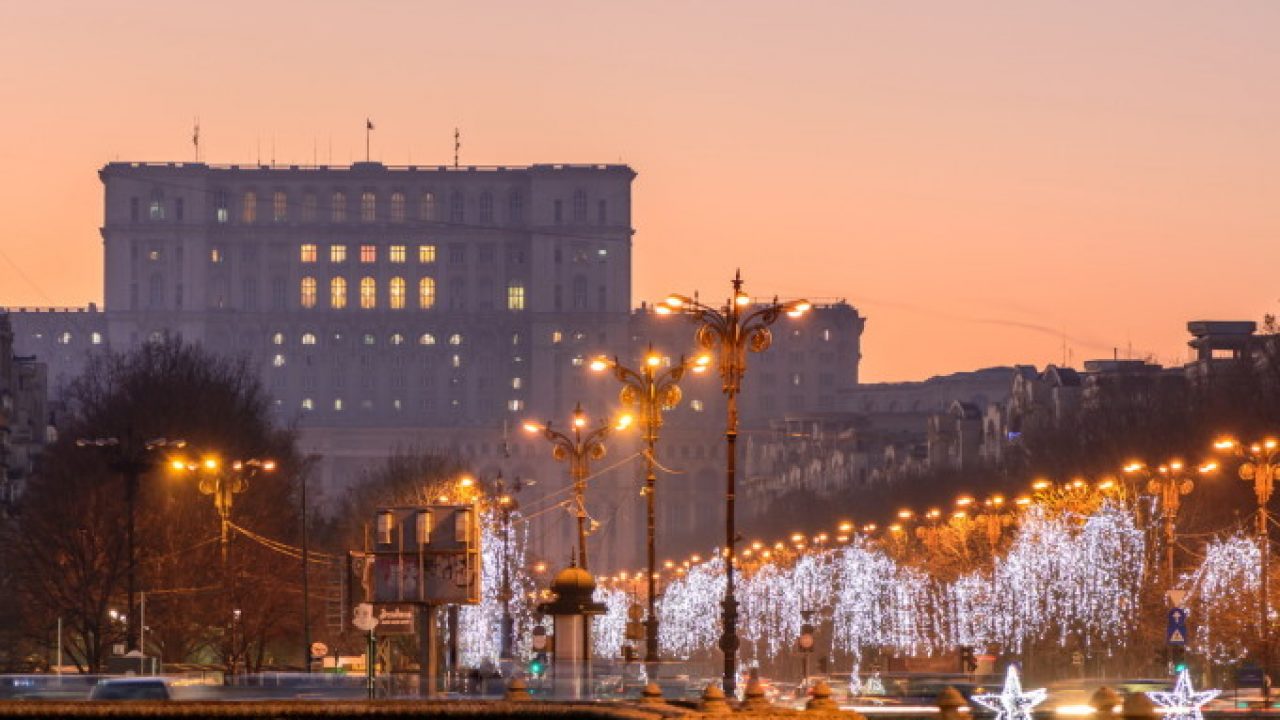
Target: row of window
398	254
399	210
397	289
514	405
455	339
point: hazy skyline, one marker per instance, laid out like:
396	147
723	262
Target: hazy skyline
989	182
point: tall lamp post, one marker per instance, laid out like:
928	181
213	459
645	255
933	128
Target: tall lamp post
1259	465
654	391
730	331
131	460
1168	482
224	482
507	504
578	447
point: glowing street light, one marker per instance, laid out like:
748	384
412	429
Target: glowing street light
731	330
578	448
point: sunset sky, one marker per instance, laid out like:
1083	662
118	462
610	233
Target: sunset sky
988	182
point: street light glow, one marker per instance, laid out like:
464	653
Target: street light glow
600	364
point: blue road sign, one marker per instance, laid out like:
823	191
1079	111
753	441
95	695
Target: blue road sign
1176	631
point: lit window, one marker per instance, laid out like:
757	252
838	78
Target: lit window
279	207
64	338
397	339
456	361
308	253
557	337
578	361
220	207
397	293
309	207
153	255
308	339
515	405
368	207
339	207
695	405
308	292
96	338
515	296
396	254
397	207
826	334
368	253
517	383
249	212
277	339
337	404
396	404
278	360
308	404
455	339
427	339
368	293
215	255
338	293
426	254
428	206
426	293
369	339
337	253
515	338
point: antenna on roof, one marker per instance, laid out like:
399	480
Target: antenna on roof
457	145
368	129
195	137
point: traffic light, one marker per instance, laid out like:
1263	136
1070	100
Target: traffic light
538	665
1178	658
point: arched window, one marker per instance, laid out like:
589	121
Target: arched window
397	293
427	293
397	207
308	339
308	292
455	339
428	209
368	206
279	206
157	205
249	210
515	207
339	207
457	207
338	293
368	293
427	339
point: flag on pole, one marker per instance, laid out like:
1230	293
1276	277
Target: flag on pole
368	124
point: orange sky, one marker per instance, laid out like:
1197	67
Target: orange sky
979	178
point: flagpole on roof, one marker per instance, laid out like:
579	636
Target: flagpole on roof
368	128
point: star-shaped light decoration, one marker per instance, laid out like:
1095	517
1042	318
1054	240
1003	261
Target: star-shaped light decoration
1011	703
1184	702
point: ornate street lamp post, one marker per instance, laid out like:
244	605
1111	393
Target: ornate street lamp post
654	391
1259	466
1168	482
224	482
578	448
730	331
131	460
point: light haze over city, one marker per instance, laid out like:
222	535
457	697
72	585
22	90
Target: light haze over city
988	183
